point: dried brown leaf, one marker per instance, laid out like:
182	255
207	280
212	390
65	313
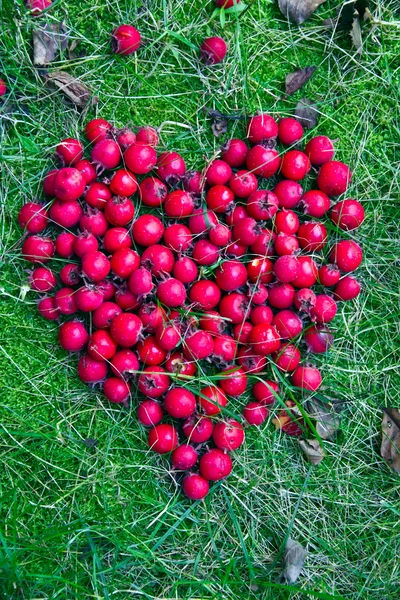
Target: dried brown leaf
299	10
326	417
47	41
294	558
219	126
296	80
313	450
356	35
390	447
74	89
307	113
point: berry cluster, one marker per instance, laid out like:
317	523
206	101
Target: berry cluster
229	276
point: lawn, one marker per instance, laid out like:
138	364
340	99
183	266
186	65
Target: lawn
86	511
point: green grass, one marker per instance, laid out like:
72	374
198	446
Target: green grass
109	521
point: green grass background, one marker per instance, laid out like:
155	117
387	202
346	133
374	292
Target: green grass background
110	522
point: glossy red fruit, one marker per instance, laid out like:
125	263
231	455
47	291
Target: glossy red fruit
234	307
255	413
158	260
101	345
233	381
147	230
65	214
88	298
307	378
126	329
219	198
243	183
348	288
264	162
87	169
235	213
171	293
286	268
64	244
213	50
261	314
107	288
179	204
260	270
178	237
334	178
140	282
69	152
124	262
320	150
264	339
116	238
315	203
288	193
257	293
150	352
97	195
265	392
205	294
184	457
234	152
125	40
235	250
106	154
286	244
163	438
185	270
116	390
37	249
262	205
347	255
168	335
201	221
140	158
150	413
224	349
312	236
198	429
308	272
328	275
246	231
218	173
324	309
198	345
119	211
69	184
97	129
49	182
230	275
205	253
286	221
290	420
90	370
304	300
104	314
37	6
33	217
264	243
171	167
211	399
215	465
42	280
348	214
85	242
152	191
287	358
220	235
250	361
180	403
95	266
288	324
125	364
228	435
295	165
123	183
94	222
148	135
261	127
318	338
281	295
70	275
153	382
193	182
72	336
151	316
212	322
125	137
194	486
48	309
290	131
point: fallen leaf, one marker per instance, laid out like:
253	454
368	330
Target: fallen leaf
219	126
326	417
294	558
299	10
313	450
90	442
356	35
294	81
390	447
74	89
307	113
47	41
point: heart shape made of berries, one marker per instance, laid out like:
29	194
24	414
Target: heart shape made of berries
187	285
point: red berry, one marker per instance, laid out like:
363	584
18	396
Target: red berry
205	294
288	193
234	152
150	352
178	204
125	40
312	236
255	413
158	259
42	280
123	183
334	178
163	438
152	191
261	314
261	127
116	390
304	300
184	457
194	486
185	270
125	137
281	295
287	358
150	413
215	465
260	270
348	214
229	435
211	399
88	298
319	150
308	272
104	314
69	152
178	237
171	292
347	255
124	364
140	158
180	403
198	429
147	230
37	249
153	381
230	275
264	339
90	370
213	50
324	309
233	381
171	167
126	329
286	244
97	129
328	275
264	162
265	392
315	203
97	195
235	307
347	288
72	336
148	135
69	184
243	183
101	345
106	154
307	378
33	217
262	205
290	131
219	198
318	338
64	300
48	309
288	324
